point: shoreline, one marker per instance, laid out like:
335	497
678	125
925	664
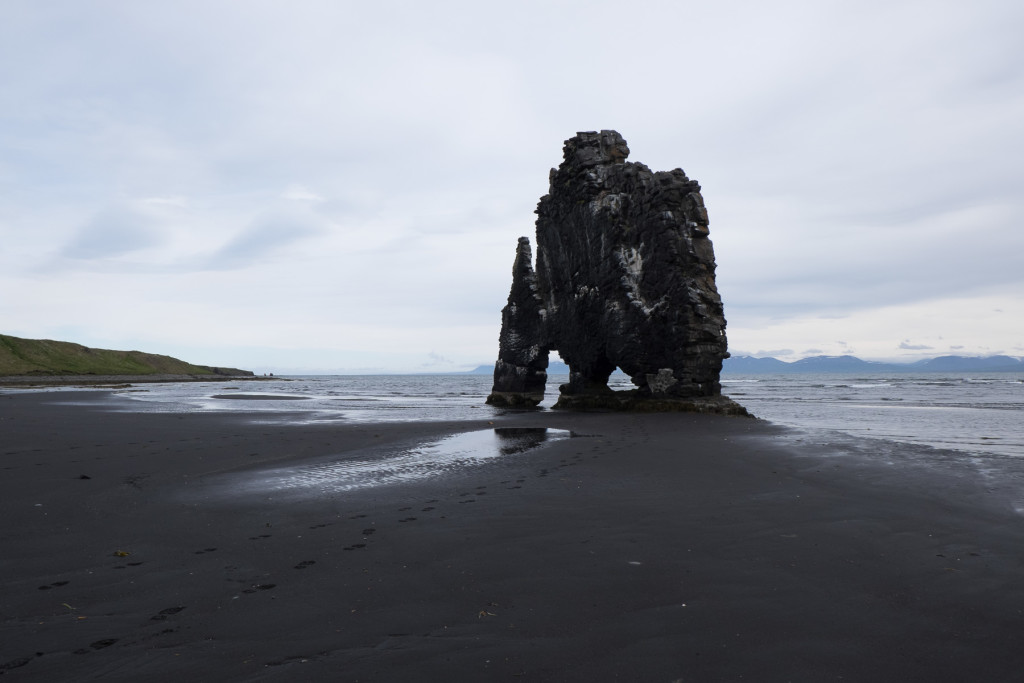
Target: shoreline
114	381
646	547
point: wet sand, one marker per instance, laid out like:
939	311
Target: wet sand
645	548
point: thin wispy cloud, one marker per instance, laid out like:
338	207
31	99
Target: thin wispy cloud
113	232
269	236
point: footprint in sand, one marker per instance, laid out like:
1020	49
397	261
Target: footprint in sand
15	663
205	550
301	659
105	642
304	564
260	587
98	645
55	584
164	613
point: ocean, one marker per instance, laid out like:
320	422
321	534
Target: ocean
970	413
975	413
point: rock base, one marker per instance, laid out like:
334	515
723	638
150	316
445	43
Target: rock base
512	399
630	401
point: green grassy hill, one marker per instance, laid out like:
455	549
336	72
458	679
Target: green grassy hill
45	357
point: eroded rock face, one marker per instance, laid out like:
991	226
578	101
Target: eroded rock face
521	371
625	278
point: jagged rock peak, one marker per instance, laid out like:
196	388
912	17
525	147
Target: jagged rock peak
592	149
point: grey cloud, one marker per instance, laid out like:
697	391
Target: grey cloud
112	232
265	237
907	346
834	283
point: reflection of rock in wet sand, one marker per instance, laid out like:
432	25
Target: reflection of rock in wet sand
518	439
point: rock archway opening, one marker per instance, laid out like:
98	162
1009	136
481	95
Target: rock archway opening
620	381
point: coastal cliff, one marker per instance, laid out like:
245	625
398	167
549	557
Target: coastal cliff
45	358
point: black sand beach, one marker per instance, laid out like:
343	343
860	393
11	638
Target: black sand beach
647	548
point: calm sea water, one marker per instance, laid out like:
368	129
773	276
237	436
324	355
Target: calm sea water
967	412
970	412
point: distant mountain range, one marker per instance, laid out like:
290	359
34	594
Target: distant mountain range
554	368
748	365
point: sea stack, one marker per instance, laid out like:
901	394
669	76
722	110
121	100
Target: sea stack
625	278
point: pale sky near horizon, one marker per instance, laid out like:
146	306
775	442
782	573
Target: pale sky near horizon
336	186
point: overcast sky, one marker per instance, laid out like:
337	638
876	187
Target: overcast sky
338	186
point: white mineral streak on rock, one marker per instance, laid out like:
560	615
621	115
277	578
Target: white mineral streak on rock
632	263
611	202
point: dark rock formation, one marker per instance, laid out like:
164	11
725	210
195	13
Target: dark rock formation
521	371
625	278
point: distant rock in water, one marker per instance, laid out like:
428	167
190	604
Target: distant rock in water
625	277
